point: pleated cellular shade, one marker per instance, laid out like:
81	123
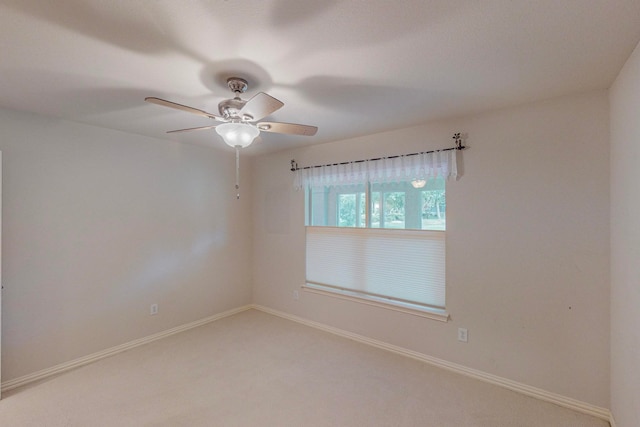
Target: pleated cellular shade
407	266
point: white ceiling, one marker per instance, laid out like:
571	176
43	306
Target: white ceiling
350	67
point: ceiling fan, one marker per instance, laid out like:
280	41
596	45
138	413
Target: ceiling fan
240	119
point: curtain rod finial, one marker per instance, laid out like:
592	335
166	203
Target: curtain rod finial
294	165
458	141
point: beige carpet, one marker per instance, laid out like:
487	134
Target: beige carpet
254	369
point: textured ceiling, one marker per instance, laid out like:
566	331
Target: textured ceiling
350	67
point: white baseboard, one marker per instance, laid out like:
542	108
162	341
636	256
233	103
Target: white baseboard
39	375
537	393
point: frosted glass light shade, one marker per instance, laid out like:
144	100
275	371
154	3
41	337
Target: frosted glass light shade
418	183
237	134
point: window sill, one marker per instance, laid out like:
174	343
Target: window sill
429	313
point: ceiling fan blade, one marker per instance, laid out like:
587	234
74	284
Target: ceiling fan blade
288	128
165	103
190	129
261	105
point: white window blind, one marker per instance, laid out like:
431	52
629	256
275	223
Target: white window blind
401	266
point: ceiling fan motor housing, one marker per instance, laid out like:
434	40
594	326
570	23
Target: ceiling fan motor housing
230	109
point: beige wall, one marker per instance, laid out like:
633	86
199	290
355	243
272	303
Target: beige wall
98	225
625	244
527	245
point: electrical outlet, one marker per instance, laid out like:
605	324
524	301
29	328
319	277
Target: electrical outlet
463	335
296	295
153	310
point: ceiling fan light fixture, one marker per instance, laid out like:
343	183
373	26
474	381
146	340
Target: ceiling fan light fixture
237	134
418	183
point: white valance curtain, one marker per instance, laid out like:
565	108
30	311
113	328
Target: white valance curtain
436	164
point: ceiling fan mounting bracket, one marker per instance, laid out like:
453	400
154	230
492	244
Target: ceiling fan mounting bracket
237	85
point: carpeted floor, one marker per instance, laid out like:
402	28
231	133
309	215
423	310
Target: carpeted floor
254	369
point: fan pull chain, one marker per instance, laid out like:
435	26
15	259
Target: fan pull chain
238	171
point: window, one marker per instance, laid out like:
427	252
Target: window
374	238
379	242
391	205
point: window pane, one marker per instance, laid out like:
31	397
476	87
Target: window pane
375	209
389	204
434	207
393	209
318	206
352	210
346	210
337	206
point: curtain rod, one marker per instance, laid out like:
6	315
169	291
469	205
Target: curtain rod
456	137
